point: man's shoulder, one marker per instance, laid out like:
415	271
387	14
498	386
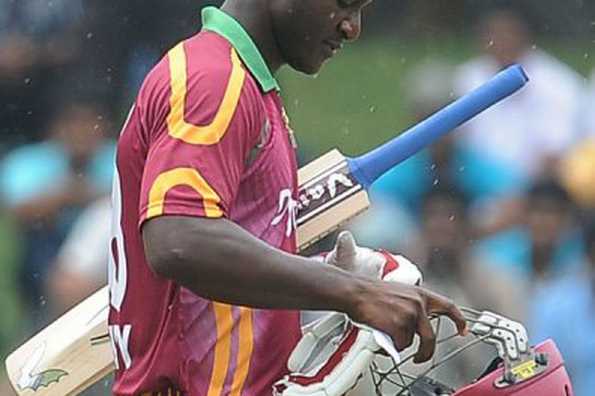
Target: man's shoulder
205	54
203	66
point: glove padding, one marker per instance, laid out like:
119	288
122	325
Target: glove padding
372	263
334	351
329	359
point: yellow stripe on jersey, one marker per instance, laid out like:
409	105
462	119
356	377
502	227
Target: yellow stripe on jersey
244	351
176	123
224	322
182	177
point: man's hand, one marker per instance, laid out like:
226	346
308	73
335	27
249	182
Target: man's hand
398	308
401	311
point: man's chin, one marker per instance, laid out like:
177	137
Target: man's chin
309	68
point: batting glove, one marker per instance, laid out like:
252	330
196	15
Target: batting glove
378	264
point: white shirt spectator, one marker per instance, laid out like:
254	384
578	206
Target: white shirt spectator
85	250
81	263
538	122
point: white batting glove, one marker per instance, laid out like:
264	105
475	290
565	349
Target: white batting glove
372	263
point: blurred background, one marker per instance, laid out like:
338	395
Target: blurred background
499	215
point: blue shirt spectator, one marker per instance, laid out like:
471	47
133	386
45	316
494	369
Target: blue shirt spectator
44	186
564	310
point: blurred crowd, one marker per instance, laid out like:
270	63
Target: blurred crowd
499	215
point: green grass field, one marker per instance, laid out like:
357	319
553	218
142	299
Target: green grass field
357	101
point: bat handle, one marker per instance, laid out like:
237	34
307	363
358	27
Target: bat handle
370	166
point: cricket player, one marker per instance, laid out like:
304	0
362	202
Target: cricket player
205	286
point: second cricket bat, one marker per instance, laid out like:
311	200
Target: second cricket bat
74	352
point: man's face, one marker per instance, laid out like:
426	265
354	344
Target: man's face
547	218
308	32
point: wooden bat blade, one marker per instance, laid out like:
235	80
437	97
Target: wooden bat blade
328	196
66	357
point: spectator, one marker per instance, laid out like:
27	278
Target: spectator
427	89
531	130
45	184
545	245
397	195
80	267
446	259
444	163
565	311
39	43
577	171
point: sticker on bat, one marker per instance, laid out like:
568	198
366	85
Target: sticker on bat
30	379
325	190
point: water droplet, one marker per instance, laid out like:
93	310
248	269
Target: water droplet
433	167
89	35
452	218
490	43
461	168
435	183
27	80
372	109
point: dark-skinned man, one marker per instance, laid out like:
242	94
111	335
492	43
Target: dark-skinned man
205	286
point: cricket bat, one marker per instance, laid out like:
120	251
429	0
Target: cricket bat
74	352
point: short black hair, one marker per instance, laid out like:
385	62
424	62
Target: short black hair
549	188
448	193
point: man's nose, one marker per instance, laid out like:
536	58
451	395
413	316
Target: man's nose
351	27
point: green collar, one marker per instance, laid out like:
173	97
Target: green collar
217	21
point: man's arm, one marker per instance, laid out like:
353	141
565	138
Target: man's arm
220	261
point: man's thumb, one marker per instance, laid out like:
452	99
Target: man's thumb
345	248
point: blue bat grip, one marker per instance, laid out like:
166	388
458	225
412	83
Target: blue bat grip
370	166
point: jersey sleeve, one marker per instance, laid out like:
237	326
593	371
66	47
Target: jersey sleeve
200	135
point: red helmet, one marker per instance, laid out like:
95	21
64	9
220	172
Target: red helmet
519	370
551	381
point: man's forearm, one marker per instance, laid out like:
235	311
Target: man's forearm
220	261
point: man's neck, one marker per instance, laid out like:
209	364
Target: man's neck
255	18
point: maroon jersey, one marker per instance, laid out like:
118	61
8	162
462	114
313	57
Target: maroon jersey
207	137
